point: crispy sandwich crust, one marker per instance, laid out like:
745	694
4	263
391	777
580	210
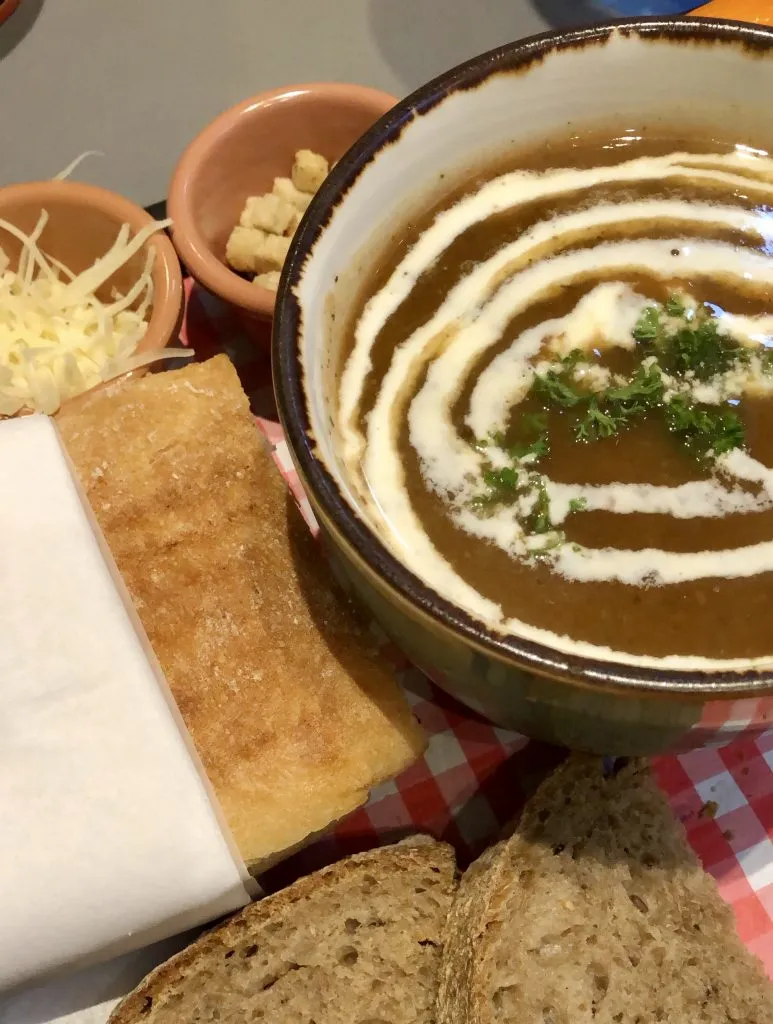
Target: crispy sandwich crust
292	710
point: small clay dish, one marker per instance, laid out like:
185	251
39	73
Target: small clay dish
240	153
83	223
7	7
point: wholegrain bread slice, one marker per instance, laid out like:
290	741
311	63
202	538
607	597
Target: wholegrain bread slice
355	943
293	711
596	910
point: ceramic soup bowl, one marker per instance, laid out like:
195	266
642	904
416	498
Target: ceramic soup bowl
709	76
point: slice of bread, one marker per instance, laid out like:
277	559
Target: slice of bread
292	709
596	910
356	943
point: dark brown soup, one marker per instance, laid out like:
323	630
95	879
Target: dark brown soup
557	395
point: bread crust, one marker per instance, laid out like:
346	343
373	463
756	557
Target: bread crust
292	708
596	910
410	858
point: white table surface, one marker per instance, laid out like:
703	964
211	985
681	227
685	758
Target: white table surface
137	79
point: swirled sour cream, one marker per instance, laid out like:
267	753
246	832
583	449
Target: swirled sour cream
438	363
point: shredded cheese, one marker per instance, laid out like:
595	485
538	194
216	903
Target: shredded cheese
57	339
74	164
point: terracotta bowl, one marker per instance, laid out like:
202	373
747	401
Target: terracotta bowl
240	153
83	223
7	7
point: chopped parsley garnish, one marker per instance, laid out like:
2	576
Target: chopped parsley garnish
504	487
675	306
697	346
702	350
535	442
596	423
539	520
704	429
648	326
557	387
694	348
501	489
501	479
644	389
535	449
681	346
613	409
484	504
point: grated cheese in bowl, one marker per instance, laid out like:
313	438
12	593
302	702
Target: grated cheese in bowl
57	338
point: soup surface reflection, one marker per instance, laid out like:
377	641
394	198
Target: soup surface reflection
556	398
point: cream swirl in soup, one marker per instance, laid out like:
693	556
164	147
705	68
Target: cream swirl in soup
558	403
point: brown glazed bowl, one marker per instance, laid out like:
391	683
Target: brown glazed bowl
705	73
240	153
83	223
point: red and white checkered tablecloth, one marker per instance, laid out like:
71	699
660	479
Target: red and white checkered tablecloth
474	777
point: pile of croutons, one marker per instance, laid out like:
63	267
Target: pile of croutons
258	244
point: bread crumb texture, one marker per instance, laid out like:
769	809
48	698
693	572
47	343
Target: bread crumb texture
356	943
292	710
597	911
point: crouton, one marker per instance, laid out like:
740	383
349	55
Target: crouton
293	225
241	247
285	189
270	254
309	170
268	280
269	213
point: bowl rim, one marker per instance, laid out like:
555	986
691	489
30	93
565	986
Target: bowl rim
7	7
192	247
167	307
351	530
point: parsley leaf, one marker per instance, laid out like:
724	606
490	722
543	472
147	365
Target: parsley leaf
648	326
505	485
596	423
556	387
675	307
537	448
612	410
539	520
501	489
501	479
484	504
676	341
644	389
535	424
703	350
704	429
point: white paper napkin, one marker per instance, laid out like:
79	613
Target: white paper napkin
110	837
88	996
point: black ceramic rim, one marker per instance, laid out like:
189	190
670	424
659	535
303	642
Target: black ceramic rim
289	383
